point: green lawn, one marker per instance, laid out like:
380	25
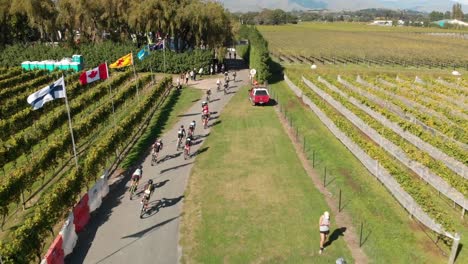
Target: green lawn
392	237
249	199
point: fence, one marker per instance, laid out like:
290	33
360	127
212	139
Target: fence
421	170
434	152
380	173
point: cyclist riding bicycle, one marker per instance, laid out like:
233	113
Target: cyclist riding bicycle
218	84
158	145
234	74
137	174
192	126
226	75
208	94
180	135
188	144
148	191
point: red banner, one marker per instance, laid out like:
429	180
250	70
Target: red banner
81	213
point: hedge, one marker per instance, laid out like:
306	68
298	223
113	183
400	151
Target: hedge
257	53
94	54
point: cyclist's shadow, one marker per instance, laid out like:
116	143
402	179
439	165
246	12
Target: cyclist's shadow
154	206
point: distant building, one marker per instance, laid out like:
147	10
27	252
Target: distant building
444	22
386	23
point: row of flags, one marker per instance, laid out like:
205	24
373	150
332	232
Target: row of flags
101	72
57	89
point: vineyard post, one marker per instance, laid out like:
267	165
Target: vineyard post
339	202
453	253
304	144
360	235
313	158
325	177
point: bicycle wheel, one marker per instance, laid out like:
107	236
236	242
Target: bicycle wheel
185	154
142	210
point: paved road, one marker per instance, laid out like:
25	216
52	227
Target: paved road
116	234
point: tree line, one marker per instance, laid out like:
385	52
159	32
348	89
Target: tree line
187	22
277	16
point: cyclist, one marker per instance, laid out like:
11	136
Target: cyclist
148	191
188	144
208	94
192	126
136	176
218	84
226	76
157	146
234	74
180	135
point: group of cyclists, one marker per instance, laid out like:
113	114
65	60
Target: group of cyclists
226	81
182	136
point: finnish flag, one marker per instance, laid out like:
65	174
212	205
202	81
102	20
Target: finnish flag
46	94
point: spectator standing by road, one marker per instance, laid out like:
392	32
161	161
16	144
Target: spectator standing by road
178	83
235	55
191	75
324	227
186	77
229	54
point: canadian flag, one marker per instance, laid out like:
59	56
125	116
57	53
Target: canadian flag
98	73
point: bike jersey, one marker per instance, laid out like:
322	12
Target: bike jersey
193	124
137	172
181	133
149	188
158	146
188	142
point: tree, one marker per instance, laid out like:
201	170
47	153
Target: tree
457	12
447	15
436	16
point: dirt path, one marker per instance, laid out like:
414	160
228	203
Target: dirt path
342	219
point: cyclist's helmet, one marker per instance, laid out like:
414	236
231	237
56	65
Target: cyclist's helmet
182	126
150	181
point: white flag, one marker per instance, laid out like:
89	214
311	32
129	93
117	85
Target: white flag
46	94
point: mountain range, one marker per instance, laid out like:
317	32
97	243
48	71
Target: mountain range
338	5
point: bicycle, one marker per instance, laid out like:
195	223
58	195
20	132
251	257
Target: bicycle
133	188
226	88
144	205
218	87
179	141
154	158
205	121
186	152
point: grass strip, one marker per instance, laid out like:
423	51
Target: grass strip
249	199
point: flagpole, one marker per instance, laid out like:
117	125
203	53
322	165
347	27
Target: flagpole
70	125
151	67
164	53
134	72
111	95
